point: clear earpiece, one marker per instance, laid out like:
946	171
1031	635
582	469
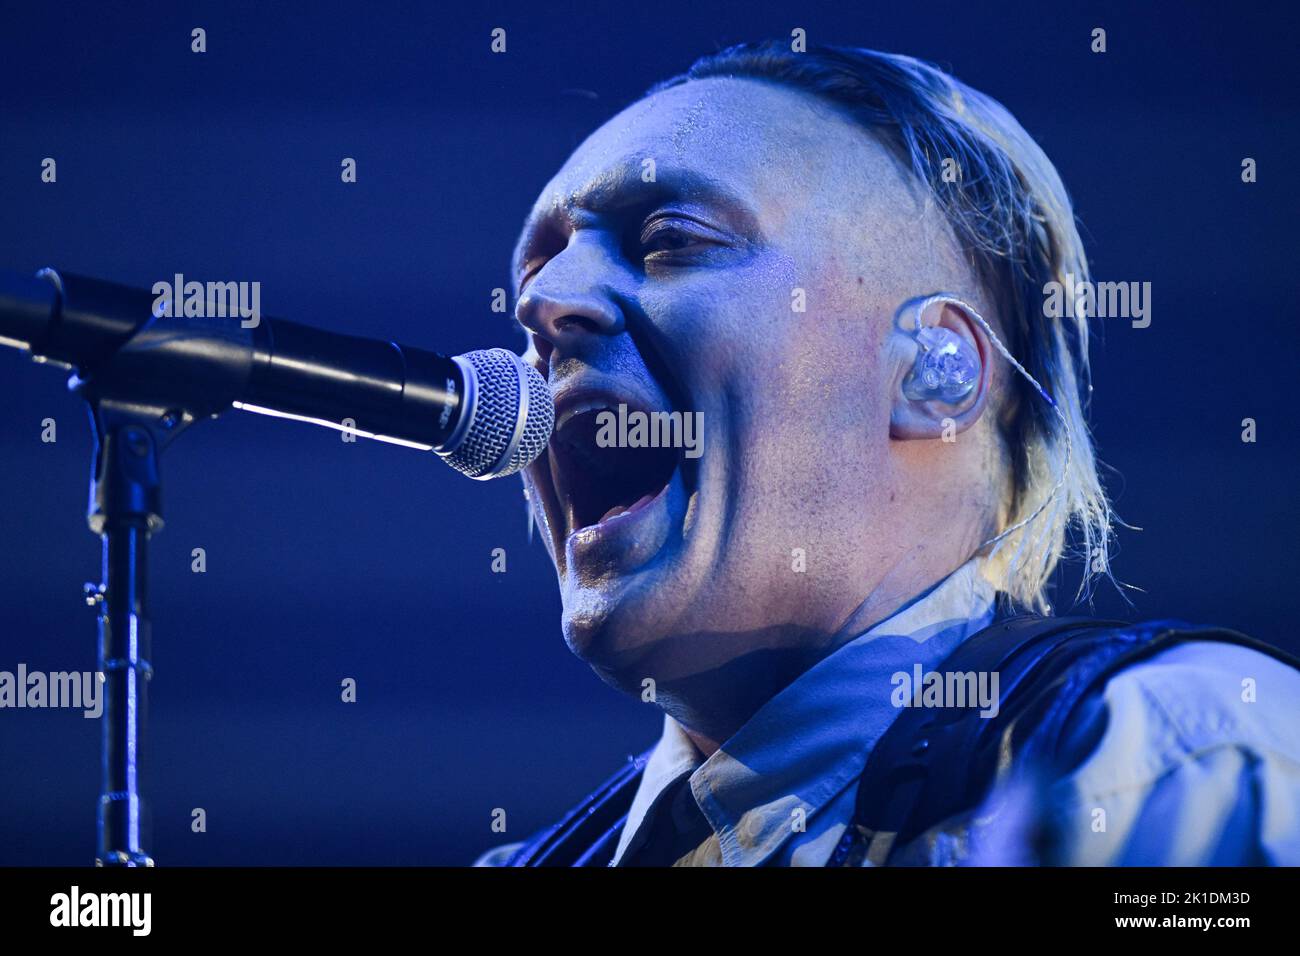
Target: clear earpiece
947	367
932	366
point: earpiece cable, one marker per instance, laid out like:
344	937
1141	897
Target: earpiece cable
1065	425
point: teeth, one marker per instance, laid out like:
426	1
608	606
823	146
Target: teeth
594	405
624	509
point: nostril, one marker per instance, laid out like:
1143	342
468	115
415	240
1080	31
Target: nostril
575	323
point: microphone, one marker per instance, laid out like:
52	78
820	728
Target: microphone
486	413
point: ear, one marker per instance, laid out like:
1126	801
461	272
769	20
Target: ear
932	418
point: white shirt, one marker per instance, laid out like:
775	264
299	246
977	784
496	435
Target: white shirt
1190	769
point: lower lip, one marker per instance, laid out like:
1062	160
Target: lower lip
627	539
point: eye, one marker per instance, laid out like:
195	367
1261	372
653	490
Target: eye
665	236
666	239
530	269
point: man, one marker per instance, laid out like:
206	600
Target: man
758	244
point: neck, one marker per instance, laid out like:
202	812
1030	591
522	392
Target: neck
705	745
712	705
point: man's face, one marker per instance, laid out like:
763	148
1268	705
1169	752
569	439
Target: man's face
738	250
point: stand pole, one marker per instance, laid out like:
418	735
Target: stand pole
124	512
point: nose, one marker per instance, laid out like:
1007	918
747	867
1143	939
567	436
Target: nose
569	302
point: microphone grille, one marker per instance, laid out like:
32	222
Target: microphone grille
513	413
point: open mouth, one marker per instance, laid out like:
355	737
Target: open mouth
596	479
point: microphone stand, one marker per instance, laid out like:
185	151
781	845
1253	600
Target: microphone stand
148	371
138	407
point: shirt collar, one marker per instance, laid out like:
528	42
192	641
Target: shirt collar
812	739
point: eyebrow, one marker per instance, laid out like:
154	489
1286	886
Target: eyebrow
616	189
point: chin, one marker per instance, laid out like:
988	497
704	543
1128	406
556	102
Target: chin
607	624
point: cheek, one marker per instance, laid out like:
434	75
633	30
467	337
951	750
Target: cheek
717	326
818	436
783	390
827	370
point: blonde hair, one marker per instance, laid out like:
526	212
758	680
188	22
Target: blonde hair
1012	215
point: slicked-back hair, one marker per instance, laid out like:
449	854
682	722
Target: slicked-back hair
1012	216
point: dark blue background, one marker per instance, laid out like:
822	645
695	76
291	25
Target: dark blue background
329	560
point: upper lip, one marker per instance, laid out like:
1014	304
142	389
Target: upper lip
572	399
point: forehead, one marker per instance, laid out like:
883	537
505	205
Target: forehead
722	125
774	149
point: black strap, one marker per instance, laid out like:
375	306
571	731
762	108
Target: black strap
933	764
588	834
